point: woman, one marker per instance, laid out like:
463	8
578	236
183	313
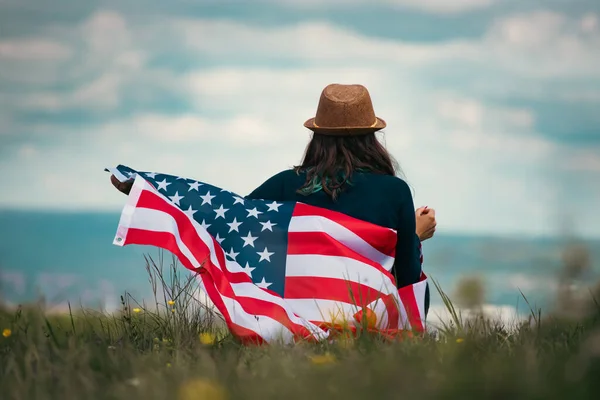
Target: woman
346	169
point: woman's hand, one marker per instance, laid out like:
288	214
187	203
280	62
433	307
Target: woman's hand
425	223
124	187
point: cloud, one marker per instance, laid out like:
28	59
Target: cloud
199	97
432	6
113	60
473	114
35	49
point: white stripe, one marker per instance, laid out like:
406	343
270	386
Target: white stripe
322	310
344	268
269	329
158	221
380	310
128	211
141	184
249	289
120	177
341	234
419	288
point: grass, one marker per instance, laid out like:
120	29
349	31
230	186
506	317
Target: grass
173	349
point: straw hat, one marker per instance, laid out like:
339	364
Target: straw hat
345	110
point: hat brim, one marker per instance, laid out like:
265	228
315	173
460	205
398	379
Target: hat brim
345	131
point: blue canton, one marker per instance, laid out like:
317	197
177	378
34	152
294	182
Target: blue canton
251	232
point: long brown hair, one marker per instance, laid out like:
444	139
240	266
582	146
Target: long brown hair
330	161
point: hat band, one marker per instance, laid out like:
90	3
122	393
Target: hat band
373	125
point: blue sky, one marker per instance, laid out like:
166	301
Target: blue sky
492	105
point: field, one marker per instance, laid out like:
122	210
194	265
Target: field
171	350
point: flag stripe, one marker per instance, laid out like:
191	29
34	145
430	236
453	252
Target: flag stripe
246	335
320	243
407	295
319	310
342	235
343	268
330	289
380	238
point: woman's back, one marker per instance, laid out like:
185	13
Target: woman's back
370	197
384	200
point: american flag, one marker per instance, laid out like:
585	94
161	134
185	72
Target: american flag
275	270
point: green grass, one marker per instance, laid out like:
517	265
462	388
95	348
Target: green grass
158	354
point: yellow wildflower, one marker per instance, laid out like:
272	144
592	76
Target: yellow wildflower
172	310
6	332
168	365
137	310
207	338
326	358
201	389
460	340
170	302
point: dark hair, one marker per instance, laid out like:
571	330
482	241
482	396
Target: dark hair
330	161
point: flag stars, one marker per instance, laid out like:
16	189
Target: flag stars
248	270
190	212
238	200
194	186
163	184
274	206
175	198
220	212
151	175
267	225
253	213
233	225
249	240
263	284
265	255
219	239
207	198
204	224
232	254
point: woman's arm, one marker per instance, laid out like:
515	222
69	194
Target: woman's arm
407	266
426	223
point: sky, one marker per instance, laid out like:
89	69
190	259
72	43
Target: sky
492	105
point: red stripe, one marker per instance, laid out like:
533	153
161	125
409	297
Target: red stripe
407	295
381	238
393	314
164	240
255	306
246	336
301	243
188	234
330	289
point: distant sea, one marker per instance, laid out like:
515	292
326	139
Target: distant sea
69	257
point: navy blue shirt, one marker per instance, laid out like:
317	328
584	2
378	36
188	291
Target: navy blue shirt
380	199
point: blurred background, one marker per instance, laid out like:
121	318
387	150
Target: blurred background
492	110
